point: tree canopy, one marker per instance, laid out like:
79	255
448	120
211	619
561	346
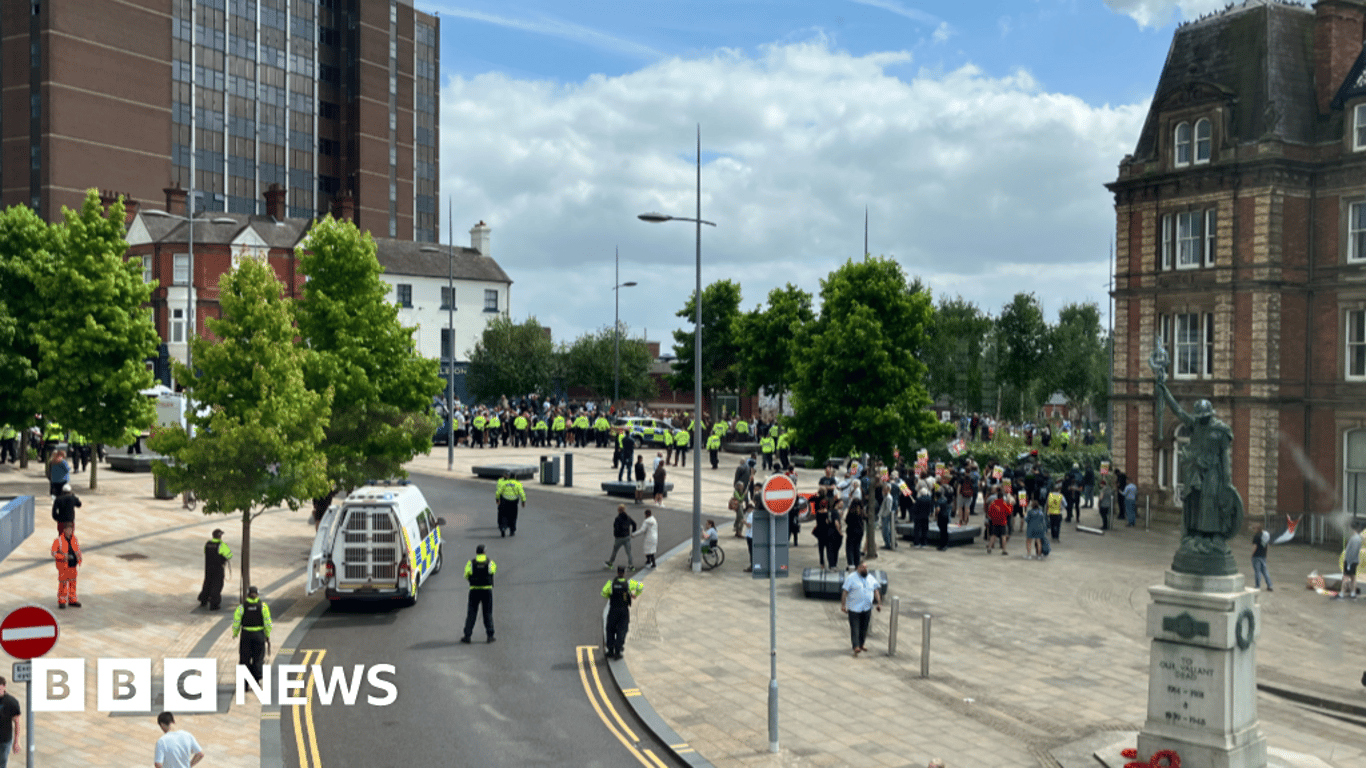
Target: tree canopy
588	362
510	359
954	354
720	350
26	252
767	340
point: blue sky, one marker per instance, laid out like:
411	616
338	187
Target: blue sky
978	133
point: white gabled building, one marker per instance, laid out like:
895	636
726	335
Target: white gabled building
419	274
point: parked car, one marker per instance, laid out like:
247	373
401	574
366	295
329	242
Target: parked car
645	431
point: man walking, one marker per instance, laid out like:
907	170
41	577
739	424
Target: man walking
858	597
66	553
619	593
508	493
217	555
1260	538
175	748
1131	502
1351	558
10	727
479	573
622	528
252	621
64	507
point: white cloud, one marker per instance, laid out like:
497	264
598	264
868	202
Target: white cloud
1156	13
554	28
982	186
942	32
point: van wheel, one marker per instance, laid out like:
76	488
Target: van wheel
440	560
417	589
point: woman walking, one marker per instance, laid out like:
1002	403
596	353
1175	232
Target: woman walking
58	473
649	537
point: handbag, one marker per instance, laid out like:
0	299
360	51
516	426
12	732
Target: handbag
734	504
70	554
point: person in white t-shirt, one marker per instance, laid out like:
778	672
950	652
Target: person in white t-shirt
176	748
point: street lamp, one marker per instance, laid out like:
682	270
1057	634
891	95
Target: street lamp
616	332
450	363
190	220
697	364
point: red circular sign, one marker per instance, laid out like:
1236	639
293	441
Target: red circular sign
28	632
780	494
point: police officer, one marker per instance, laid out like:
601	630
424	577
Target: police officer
509	492
495	428
216	557
766	447
603	430
520	424
619	593
480	422
9	444
479	573
668	438
581	430
538	430
252	620
713	447
681	447
628	454
784	448
557	427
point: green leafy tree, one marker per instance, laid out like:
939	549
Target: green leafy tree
258	427
859	385
95	335
720	351
1077	355
382	390
26	252
510	359
766	339
955	354
589	363
1022	336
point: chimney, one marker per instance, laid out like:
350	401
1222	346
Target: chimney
175	200
275	202
344	207
479	238
130	209
1339	28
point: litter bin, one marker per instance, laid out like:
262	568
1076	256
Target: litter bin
550	470
161	488
568	470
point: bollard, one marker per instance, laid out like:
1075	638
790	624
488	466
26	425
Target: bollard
568	470
1147	513
925	646
891	626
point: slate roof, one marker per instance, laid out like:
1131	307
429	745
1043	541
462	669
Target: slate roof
1258	57
404	257
284	233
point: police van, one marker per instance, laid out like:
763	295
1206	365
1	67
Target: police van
381	543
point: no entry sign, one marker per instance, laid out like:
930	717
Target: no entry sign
780	494
28	632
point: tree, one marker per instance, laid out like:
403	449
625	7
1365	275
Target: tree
95	335
589	363
720	352
859	385
26	246
258	444
1077	356
382	390
955	354
767	340
1023	338
511	359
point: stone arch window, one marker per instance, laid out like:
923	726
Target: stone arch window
1181	145
1203	134
1354	472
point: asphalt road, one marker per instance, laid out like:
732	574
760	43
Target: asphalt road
524	700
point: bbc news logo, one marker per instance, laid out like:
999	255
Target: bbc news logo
191	685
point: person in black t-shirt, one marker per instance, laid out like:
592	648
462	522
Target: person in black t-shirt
10	728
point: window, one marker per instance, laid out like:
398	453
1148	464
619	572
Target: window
1182	146
180	275
1209	344
1188	239
1188	338
447	348
1356	344
1356	232
1354	469
177	326
490	301
146	269
447	298
1202	140
405	295
35	106
1359	124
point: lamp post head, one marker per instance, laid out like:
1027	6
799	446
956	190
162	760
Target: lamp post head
654	218
631	284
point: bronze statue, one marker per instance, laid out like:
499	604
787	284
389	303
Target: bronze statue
1212	510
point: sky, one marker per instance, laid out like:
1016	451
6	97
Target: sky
976	134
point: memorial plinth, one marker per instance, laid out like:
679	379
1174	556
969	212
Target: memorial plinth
1202	684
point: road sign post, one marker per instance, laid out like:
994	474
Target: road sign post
27	633
780	499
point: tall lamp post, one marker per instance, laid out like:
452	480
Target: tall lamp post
449	359
190	220
616	332
697	364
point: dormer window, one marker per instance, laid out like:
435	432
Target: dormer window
1202	140
1359	128
1182	148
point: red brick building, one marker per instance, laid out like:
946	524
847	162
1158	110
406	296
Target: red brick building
1241	248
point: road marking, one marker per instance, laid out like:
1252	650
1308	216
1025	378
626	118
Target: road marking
272	715
28	633
583	654
654	759
305	713
603	693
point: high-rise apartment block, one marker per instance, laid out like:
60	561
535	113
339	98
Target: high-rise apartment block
333	100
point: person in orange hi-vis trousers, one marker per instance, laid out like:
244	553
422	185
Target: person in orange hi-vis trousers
66	551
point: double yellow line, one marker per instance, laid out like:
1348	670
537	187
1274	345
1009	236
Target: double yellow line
597	696
309	756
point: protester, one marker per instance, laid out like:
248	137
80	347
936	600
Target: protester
854	522
1036	529
858	596
1260	538
175	748
998	519
64	507
1351	558
649	541
622	528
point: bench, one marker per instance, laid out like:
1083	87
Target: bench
122	462
628	490
495	471
958	534
819	582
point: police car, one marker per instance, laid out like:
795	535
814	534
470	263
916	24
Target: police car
381	543
645	431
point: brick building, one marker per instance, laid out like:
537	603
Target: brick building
1241	248
333	100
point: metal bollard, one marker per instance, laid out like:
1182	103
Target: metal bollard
1147	513
925	646
568	470
891	626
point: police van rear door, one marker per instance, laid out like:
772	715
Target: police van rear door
371	547
322	549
